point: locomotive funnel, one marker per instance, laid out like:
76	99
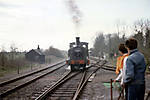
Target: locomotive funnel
78	41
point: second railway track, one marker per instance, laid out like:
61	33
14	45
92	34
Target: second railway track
12	85
55	88
68	87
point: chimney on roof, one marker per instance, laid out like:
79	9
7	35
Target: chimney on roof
38	47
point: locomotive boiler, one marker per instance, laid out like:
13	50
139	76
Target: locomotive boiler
78	56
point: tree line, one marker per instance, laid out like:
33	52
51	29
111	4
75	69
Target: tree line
15	59
54	51
108	44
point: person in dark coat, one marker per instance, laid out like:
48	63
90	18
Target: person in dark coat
135	71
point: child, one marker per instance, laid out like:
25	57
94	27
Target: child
121	62
121	67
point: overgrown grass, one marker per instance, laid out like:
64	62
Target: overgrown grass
14	70
12	67
4	71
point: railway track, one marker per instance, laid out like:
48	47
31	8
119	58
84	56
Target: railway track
28	74
69	86
64	92
113	68
62	89
12	85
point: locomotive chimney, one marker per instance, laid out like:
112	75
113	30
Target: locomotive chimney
77	41
38	47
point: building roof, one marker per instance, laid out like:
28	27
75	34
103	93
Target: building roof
38	51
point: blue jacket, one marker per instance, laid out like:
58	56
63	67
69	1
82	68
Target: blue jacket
135	68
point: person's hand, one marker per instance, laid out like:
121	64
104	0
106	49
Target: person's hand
123	85
114	81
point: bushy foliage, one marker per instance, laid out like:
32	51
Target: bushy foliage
99	45
109	43
142	34
3	59
6	60
106	44
53	51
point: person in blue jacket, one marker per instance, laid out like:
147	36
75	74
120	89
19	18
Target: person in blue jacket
135	71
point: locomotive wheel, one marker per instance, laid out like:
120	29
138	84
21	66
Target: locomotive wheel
72	68
84	67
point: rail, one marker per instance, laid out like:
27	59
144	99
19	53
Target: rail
28	74
8	91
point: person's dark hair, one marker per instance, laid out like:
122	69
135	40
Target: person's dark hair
131	43
122	48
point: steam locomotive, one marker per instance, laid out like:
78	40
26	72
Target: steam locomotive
78	56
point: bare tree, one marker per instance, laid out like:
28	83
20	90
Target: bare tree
147	37
142	34
3	58
13	50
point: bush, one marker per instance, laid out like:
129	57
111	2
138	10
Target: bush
54	52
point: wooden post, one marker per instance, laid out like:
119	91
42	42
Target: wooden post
111	92
31	66
18	69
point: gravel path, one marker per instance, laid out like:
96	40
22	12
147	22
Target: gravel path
95	90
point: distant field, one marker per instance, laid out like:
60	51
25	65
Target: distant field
26	67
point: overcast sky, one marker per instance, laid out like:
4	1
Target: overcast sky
27	23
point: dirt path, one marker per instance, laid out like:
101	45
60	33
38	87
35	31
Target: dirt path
95	90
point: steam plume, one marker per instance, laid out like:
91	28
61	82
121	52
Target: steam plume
75	13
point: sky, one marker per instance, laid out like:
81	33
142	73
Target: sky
28	23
